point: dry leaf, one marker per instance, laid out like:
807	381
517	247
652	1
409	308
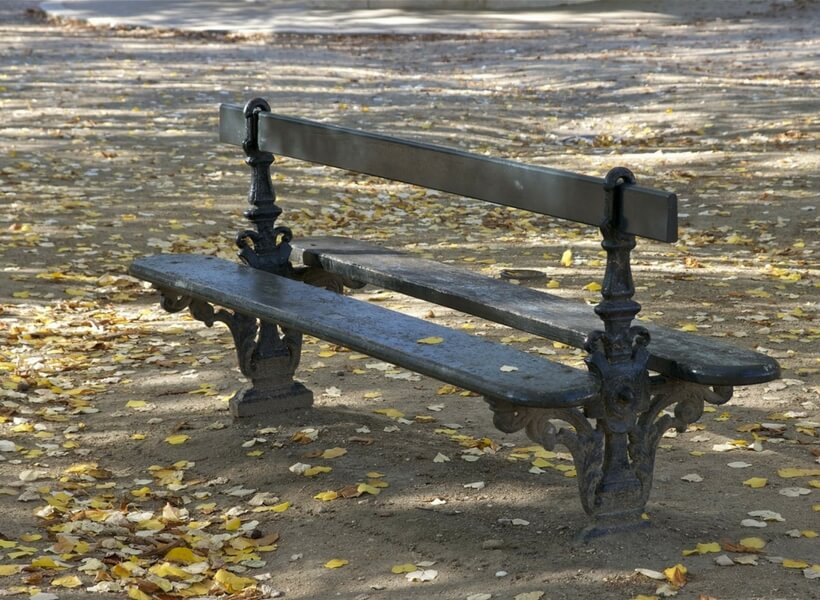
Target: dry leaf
336	563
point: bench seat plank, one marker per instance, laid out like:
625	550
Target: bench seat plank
461	359
674	353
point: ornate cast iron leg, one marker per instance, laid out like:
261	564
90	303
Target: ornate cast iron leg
268	353
615	456
265	357
615	496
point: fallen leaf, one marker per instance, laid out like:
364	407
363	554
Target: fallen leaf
425	575
789	563
755	543
792	472
756	482
336	563
232	583
334	453
389	412
404	568
175	440
794	492
676	575
69	581
326	496
703	549
651	574
430	340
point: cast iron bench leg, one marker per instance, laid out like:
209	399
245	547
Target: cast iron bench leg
266	357
614	459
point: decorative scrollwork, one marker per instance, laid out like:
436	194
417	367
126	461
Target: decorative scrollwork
606	491
584	443
173	302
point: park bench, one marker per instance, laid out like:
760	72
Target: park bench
610	416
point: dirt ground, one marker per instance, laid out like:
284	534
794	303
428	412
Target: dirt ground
115	442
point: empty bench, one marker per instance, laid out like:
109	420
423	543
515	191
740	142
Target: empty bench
616	408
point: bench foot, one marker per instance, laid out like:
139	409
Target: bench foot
268	356
256	400
614	461
616	523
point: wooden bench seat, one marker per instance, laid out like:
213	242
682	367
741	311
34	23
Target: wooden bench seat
677	354
462	359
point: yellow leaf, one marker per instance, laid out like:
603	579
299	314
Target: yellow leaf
375	474
389	412
335	563
808	533
6	570
232	583
756	482
46	562
334	453
593	286
430	340
22	295
280	508
405	568
566	258
326	496
69	581
137	594
72	291
327	353
363	488
792	472
703	549
688	327
255	453
676	575
755	543
135	404
313	471
232	524
175	440
794	564
138	436
141	493
185	556
164	569
553	284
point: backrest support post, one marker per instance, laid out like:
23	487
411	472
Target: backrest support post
617	309
268	248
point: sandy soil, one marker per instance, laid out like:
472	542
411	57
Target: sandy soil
109	153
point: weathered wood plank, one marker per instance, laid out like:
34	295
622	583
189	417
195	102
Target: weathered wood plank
646	212
673	353
461	359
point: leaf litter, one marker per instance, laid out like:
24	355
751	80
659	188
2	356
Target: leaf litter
71	327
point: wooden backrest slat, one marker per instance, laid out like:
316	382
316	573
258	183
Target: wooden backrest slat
646	212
